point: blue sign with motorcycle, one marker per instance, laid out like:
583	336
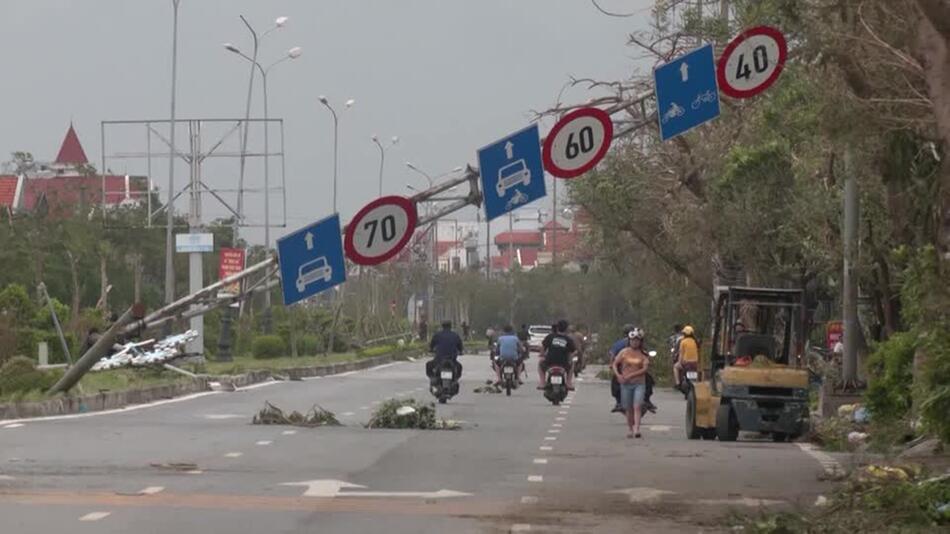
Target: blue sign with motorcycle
686	92
311	260
512	172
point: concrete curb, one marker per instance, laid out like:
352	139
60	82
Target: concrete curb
118	399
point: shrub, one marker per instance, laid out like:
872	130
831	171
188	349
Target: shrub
266	347
308	345
20	375
890	393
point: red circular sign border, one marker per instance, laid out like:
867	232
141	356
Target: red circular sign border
730	48
407	205
596	113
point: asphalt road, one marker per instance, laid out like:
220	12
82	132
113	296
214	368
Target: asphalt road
518	464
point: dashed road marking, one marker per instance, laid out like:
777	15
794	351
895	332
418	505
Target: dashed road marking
520	527
376	403
560	418
545	448
550	438
95	516
556	425
541	461
563	412
195	472
264	442
349	414
152	490
234	455
222	416
6	477
364	407
527	499
13	425
535	478
288	432
659	428
829	464
554	431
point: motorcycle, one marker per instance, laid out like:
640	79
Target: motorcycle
555	384
509	374
445	384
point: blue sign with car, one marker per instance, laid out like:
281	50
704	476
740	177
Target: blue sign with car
512	172
311	260
686	92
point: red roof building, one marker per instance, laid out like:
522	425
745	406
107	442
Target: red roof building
71	152
10	186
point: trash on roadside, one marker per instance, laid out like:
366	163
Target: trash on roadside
405	410
821	501
317	416
885	472
857	438
861	415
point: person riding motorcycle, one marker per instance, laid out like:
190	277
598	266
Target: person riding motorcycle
510	349
688	350
446	345
557	349
578	339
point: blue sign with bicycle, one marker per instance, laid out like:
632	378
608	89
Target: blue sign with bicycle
686	92
512	172
311	260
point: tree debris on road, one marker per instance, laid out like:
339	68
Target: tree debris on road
317	416
408	413
489	387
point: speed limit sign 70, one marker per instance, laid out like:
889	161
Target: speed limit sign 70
577	142
380	230
751	62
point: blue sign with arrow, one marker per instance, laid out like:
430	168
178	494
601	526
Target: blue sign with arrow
311	260
512	172
686	92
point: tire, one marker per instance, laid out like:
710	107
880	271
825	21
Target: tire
442	400
508	388
692	431
556	402
779	437
727	427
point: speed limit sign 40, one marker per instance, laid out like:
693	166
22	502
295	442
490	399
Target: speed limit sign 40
577	142
380	230
752	62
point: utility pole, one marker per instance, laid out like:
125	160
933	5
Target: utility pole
554	238
849	371
170	207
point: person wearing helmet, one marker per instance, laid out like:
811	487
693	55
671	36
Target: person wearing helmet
688	360
557	349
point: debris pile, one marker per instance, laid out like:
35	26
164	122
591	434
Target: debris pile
317	416
408	413
147	352
489	387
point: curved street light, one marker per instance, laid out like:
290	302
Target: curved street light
382	157
336	139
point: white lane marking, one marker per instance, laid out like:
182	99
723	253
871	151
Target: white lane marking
314	377
520	527
642	494
556	425
195	472
364	407
659	428
741	501
152	490
560	418
264	442
14	425
829	464
563	412
288	432
348	414
541	461
259	385
528	499
221	416
385	365
95	516
545	448
550	438
535	478
6	477
554	431
348	373
234	455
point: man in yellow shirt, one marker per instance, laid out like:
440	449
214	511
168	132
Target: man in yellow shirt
688	356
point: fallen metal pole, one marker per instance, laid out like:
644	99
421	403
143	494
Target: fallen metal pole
93	355
59	328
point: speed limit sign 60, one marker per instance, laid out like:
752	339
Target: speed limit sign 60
752	62
577	142
380	230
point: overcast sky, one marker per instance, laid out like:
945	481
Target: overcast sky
446	76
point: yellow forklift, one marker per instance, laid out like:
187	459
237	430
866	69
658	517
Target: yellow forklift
755	379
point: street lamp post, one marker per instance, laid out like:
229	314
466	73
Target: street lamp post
382	157
278	23
336	140
293	53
